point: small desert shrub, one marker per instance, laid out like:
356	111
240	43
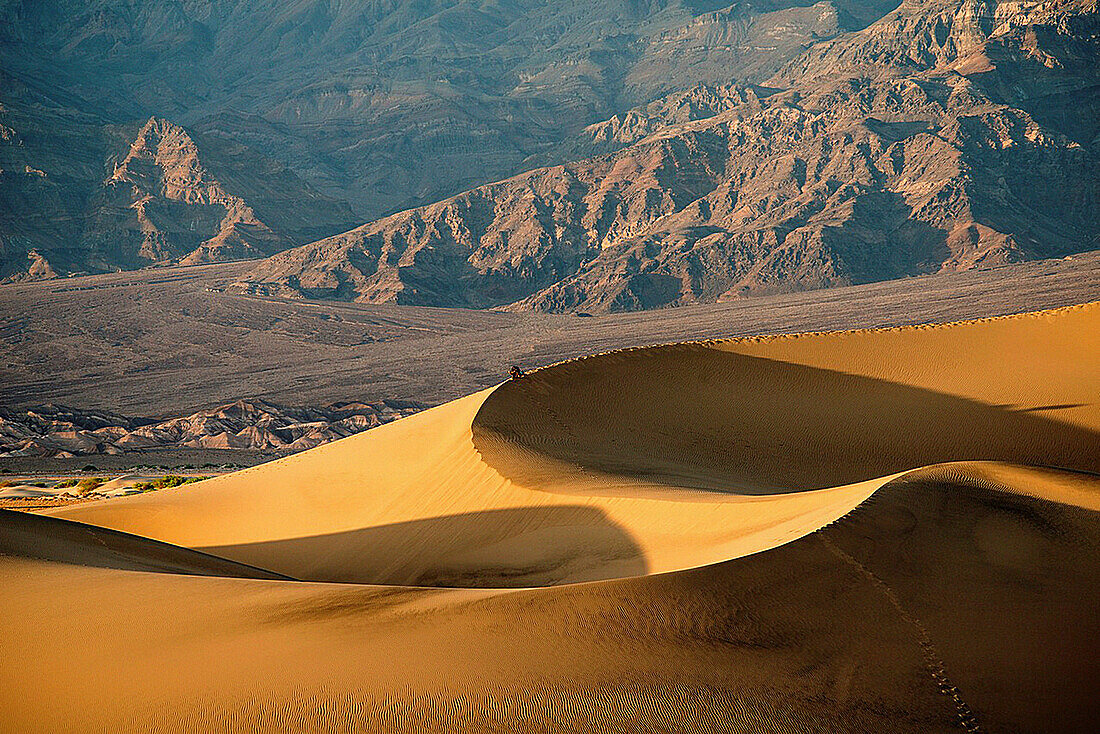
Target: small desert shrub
166	482
173	480
89	484
7	483
89	467
65	483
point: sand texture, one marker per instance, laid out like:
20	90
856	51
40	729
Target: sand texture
886	530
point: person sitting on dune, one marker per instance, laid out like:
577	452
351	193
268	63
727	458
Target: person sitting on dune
515	373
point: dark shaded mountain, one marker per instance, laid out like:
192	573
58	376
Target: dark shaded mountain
162	202
296	106
109	197
929	141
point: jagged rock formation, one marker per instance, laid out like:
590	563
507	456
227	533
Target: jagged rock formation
887	152
57	431
164	198
160	203
698	103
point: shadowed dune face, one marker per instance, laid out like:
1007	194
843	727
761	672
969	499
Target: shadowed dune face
23	535
1002	591
705	417
535	546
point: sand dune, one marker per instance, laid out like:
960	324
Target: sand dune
887	530
647	460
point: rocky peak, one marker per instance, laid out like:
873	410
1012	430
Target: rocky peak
698	103
162	193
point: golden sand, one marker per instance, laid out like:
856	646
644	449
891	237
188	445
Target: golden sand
892	530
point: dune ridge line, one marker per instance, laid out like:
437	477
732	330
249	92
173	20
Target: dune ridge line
651	459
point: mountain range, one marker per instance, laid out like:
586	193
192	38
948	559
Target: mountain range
549	156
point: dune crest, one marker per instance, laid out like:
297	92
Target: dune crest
648	460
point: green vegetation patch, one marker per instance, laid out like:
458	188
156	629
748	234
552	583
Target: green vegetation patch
166	482
89	484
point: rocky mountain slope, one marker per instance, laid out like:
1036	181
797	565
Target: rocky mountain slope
646	154
57	431
125	196
161	203
931	140
383	104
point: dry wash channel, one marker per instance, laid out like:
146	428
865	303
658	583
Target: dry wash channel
842	531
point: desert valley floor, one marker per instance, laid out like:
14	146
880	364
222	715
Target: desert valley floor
165	341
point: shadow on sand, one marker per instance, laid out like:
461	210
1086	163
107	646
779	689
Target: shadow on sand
25	535
696	416
525	546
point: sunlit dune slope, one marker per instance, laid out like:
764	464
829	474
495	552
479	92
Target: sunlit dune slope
648	460
941	603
